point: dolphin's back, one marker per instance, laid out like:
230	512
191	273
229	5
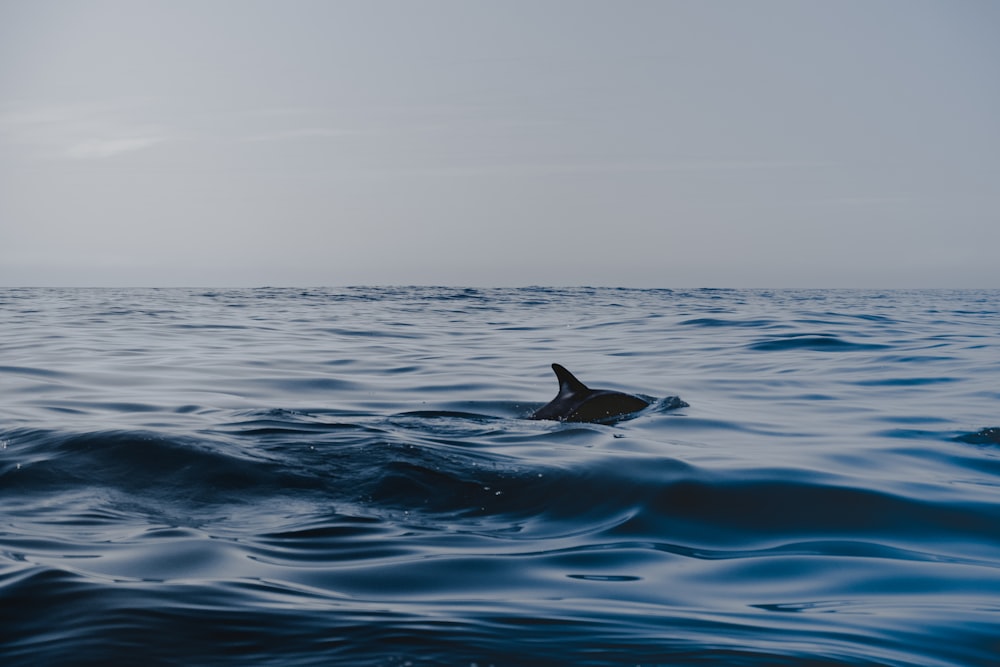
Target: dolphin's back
576	402
602	405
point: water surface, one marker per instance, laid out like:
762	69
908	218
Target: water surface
346	476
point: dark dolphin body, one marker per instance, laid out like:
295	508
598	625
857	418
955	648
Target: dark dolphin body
576	402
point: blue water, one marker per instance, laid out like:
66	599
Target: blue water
346	476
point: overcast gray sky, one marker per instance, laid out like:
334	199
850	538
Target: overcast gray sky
661	143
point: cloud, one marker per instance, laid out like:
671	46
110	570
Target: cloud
76	131
96	149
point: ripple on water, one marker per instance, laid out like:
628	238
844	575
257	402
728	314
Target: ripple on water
323	476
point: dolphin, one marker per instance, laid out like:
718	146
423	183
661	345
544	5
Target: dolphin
576	402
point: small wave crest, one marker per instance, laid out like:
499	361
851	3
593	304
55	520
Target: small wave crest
986	436
144	463
814	342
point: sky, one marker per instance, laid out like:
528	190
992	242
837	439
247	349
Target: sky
637	143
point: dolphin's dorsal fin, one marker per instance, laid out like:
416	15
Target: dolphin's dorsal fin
567	383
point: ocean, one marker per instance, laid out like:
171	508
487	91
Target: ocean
349	477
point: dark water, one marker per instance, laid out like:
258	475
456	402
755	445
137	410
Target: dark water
289	477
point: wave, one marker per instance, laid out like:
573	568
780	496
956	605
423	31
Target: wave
986	436
429	465
172	469
815	342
